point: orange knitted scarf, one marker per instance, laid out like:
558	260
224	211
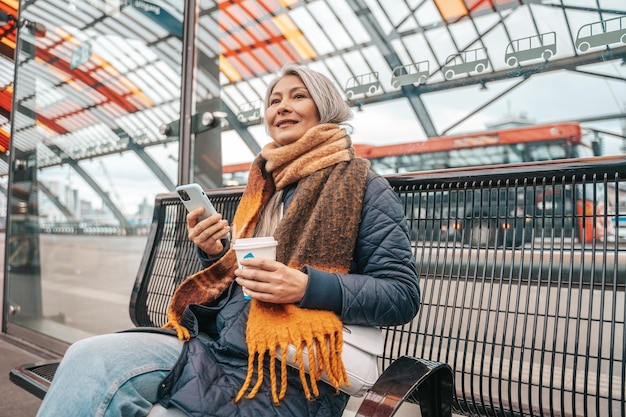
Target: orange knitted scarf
319	229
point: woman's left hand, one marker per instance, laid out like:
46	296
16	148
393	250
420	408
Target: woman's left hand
271	281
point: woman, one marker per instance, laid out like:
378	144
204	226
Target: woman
343	256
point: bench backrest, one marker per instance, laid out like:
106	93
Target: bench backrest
518	297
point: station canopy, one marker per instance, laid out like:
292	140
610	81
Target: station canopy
411	69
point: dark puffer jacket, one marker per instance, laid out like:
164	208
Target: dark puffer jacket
381	289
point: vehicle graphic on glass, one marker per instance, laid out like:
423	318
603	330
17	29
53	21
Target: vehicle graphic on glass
249	111
366	83
465	62
416	72
532	47
603	32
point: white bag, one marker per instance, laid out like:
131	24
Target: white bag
361	347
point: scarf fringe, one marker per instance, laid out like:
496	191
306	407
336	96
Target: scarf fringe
324	356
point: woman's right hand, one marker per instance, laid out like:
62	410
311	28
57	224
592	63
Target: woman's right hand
207	233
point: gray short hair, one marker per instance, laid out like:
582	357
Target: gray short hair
331	106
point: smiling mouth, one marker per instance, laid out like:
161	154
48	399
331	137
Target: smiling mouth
286	123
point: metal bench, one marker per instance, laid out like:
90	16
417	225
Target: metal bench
517	295
169	257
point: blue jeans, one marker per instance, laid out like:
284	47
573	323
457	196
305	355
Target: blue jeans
111	375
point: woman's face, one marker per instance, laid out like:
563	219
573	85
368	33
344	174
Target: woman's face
291	111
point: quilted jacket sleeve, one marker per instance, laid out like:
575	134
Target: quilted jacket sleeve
382	287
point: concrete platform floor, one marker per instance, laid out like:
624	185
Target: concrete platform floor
15	401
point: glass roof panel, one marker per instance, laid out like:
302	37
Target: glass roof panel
313	31
396	13
357	64
464	35
426	13
6	73
167	52
343	39
444	44
330	23
451	9
232	97
415	48
382	19
350	21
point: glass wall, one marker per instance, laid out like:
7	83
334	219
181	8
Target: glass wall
95	136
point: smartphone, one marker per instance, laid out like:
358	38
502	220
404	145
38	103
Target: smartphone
193	196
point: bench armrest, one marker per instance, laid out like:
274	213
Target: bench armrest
34	377
428	383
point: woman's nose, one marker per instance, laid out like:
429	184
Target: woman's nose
282	107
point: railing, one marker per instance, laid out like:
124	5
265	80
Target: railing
530	315
75	228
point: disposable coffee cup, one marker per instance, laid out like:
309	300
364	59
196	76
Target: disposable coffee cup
254	247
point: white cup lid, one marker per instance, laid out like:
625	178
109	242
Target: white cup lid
254	242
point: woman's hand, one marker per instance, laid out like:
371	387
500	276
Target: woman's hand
206	234
271	281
